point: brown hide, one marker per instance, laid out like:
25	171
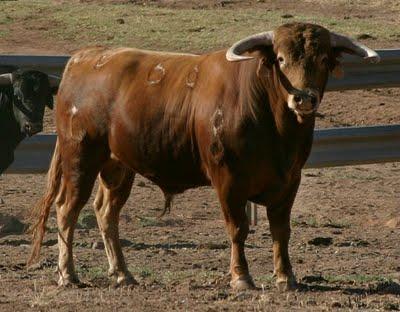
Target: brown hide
177	118
184	121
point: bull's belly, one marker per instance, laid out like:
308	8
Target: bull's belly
173	168
171	175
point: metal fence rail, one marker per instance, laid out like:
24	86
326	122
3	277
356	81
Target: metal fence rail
47	64
358	75
332	147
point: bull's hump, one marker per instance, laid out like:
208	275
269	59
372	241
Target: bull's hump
98	57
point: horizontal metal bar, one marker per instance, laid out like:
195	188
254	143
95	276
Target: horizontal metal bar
47	64
361	75
357	73
332	147
33	155
355	146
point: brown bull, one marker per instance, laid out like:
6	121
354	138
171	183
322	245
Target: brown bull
241	120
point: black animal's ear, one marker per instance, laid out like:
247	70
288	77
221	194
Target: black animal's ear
36	86
54	90
3	100
50	101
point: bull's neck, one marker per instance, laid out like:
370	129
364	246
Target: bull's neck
8	120
270	112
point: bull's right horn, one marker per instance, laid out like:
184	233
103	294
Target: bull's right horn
357	48
262	39
6	79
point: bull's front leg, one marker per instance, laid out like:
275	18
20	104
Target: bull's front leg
237	225
279	220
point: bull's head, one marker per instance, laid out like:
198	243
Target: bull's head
303	56
31	93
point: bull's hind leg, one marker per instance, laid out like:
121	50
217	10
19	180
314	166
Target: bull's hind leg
114	189
81	165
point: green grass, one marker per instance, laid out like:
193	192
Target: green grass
171	276
310	222
87	220
92	272
265	279
148	221
356	278
143	272
190	30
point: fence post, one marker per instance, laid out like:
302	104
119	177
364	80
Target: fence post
251	212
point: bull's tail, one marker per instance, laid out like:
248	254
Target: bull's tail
41	211
168	198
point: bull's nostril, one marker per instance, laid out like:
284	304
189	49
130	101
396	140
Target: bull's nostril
297	99
313	100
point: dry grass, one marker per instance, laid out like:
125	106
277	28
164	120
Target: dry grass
162	28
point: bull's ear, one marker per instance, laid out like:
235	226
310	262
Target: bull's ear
50	101
337	71
335	66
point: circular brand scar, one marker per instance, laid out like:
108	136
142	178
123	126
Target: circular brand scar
156	74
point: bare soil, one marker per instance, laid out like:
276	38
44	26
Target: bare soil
346	221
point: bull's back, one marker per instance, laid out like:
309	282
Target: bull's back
144	103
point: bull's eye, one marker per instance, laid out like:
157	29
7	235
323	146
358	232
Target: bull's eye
324	60
281	60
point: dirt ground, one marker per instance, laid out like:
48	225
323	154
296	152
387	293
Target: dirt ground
345	223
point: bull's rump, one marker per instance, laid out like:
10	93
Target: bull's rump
147	106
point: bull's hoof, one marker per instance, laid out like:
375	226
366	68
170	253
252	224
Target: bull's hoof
123	279
286	283
69	281
242	283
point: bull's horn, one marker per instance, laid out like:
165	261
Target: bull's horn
262	39
54	80
6	79
356	47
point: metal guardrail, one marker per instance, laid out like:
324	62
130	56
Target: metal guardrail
47	64
355	146
332	147
33	155
357	75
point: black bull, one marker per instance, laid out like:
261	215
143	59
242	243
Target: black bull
23	97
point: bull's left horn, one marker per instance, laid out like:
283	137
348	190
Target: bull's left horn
6	79
356	47
262	39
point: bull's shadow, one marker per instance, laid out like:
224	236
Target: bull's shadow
381	288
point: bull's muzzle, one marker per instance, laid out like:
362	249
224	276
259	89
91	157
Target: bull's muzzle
30	128
304	102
